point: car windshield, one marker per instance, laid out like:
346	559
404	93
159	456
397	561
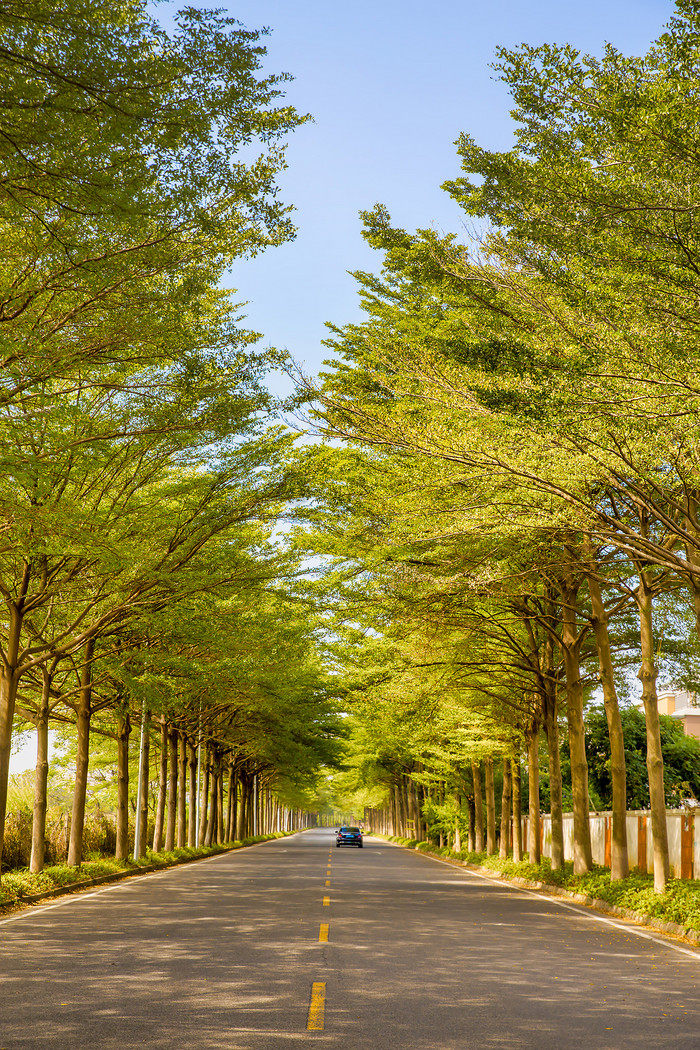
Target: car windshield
350	831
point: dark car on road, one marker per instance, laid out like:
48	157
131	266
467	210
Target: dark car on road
347	836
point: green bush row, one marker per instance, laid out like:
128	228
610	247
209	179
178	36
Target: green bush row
679	903
22	883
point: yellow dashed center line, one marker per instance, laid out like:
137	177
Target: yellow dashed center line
326	901
328	882
323	933
317	1007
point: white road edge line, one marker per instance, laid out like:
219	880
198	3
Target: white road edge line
77	898
578	909
585	913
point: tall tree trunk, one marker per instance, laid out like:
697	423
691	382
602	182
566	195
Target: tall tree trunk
172	790
220	803
534	850
182	793
41	775
204	814
619	858
505	807
490	807
415	809
551	726
230	801
478	808
9	680
457	843
242	807
471	834
75	847
517	813
145	780
234	807
192	815
123	731
655	761
162	787
401	831
571	645
405	812
212	829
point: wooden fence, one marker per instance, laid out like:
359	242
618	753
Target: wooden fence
683	840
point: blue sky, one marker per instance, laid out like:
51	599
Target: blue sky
390	84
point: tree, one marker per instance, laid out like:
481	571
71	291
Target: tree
681	756
118	348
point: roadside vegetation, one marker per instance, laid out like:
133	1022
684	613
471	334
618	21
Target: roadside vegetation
679	903
153	618
514	423
21	883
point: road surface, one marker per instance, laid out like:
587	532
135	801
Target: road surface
295	942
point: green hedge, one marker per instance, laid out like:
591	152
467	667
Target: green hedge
679	903
21	883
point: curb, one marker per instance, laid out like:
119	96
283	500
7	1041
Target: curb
118	876
684	933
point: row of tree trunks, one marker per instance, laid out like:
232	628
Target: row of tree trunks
230	806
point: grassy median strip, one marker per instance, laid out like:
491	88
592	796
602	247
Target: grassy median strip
678	905
20	885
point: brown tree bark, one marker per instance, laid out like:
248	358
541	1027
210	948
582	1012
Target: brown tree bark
234	808
212	828
478	808
401	829
619	858
415	809
192	786
41	776
551	726
123	732
172	790
517	813
181	743
490	807
655	761
230	802
162	788
220	802
471	834
145	780
204	813
9	680
534	851
84	714
242	806
571	646
505	807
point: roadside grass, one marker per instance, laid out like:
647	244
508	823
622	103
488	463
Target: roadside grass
679	903
20	882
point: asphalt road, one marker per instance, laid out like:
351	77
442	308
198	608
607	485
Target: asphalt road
294	942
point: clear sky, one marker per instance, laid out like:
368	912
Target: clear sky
390	85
